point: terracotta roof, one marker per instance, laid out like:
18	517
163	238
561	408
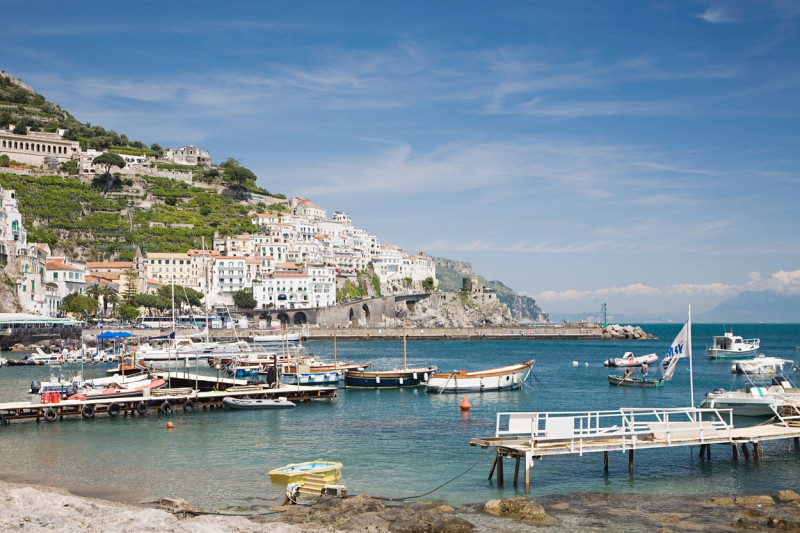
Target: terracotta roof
57	265
110	264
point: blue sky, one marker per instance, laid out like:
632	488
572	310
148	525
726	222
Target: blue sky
643	154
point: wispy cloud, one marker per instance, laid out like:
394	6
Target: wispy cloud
717	15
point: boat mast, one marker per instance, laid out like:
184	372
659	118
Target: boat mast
689	346
404	349
335	364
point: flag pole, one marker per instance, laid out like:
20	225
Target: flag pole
689	346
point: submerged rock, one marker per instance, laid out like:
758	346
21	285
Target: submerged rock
520	508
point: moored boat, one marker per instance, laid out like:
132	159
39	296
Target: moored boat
294	472
257	403
634	381
492	379
628	359
388	379
753	400
119	390
760	365
730	346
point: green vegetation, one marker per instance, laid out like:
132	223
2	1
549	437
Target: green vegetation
349	291
243	299
67	213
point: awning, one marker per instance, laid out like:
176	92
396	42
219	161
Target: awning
114	335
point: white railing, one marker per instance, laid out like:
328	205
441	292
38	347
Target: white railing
628	426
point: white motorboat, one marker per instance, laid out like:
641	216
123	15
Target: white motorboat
628	359
760	365
753	400
493	379
730	346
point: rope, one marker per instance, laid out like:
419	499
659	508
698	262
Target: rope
433	490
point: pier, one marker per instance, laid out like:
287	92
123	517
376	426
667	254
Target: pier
531	436
161	401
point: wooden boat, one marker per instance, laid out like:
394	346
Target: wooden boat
493	379
628	359
730	346
388	379
680	347
634	381
294	473
257	403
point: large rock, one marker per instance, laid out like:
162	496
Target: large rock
520	508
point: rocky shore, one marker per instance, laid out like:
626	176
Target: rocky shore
33	509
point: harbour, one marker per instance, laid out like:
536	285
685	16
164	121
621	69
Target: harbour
421	438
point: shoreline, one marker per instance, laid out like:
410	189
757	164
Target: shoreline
28	507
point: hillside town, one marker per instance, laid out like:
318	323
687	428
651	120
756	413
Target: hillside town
296	260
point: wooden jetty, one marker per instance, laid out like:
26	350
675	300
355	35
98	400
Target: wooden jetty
536	435
181	395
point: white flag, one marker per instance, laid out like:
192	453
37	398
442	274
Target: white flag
676	351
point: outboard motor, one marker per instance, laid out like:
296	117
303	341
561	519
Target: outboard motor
35	387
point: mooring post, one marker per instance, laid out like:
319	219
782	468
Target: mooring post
605	462
516	471
745	452
702	450
756	452
630	462
735	451
494	464
708	451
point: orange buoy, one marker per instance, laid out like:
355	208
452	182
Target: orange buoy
465	404
169	425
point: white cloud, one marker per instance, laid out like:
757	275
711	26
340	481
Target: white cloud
716	15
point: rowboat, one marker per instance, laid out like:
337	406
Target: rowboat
294	472
634	381
493	379
628	359
257	403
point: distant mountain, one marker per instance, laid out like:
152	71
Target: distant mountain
450	277
755	307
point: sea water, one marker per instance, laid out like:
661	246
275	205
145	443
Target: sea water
399	443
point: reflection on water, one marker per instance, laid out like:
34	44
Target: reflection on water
396	443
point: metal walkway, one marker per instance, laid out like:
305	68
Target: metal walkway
537	435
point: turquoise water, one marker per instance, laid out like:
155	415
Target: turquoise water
397	443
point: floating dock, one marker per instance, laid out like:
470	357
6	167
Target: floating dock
530	436
180	395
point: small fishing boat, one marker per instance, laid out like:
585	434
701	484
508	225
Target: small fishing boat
294	473
679	348
313	378
634	381
257	403
493	379
730	346
388	379
628	359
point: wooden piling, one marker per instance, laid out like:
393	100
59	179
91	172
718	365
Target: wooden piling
516	471
756	452
494	464
499	469
630	462
745	452
605	462
735	451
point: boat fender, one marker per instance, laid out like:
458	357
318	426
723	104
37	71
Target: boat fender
188	406
414	375
50	414
401	381
425	377
113	409
141	408
165	408
87	411
377	380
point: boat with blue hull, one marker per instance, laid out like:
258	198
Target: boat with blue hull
389	379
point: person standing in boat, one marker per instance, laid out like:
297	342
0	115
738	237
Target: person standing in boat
645	369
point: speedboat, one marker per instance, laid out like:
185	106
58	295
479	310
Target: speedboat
628	359
730	346
753	400
493	379
760	365
118	390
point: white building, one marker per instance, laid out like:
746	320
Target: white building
63	277
294	288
